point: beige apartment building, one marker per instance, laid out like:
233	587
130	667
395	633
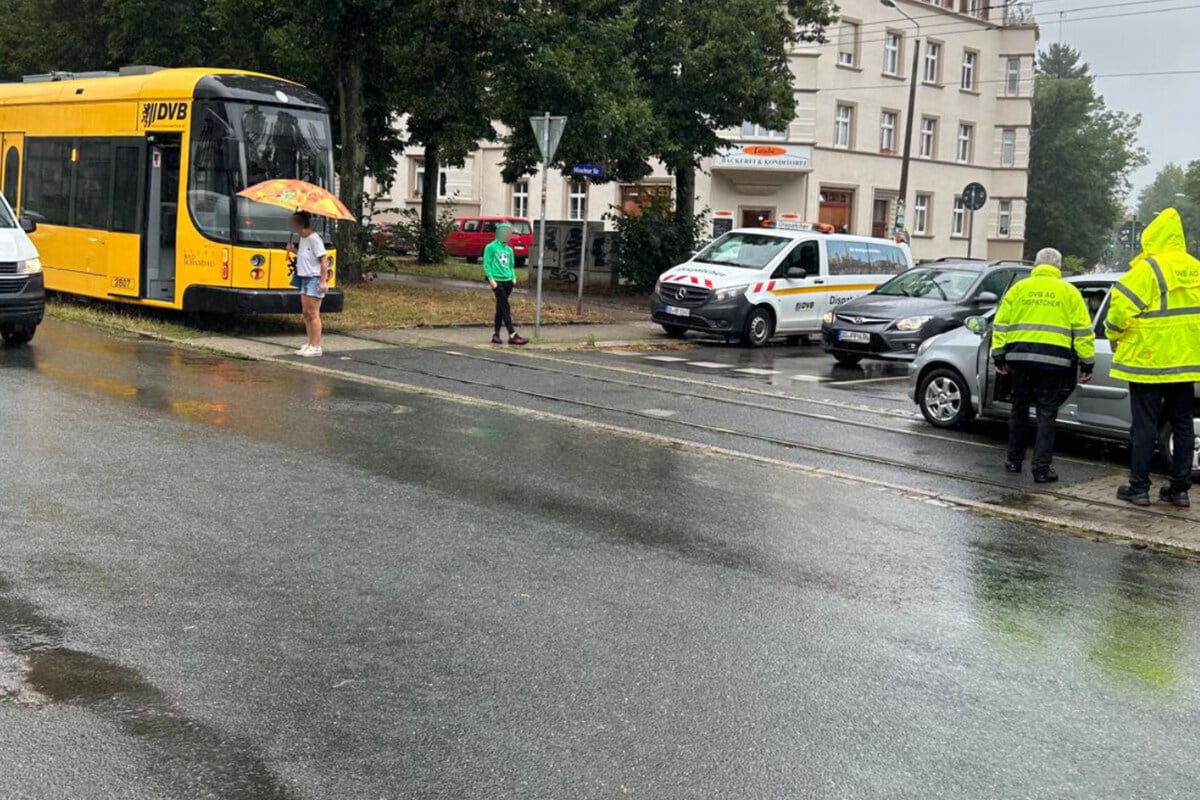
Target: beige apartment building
839	160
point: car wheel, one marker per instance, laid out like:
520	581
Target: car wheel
472	259
847	359
17	335
945	399
759	327
1166	447
675	331
522	261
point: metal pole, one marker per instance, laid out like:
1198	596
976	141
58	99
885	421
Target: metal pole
583	250
970	231
537	313
902	205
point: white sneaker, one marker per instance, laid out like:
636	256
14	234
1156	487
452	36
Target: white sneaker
304	348
312	352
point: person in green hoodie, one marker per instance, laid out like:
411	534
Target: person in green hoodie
498	261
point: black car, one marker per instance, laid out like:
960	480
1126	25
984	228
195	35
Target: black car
892	321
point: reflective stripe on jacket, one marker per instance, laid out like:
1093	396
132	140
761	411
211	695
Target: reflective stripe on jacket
1044	321
1154	314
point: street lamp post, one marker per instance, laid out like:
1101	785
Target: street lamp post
902	203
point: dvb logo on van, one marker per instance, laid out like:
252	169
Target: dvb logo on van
153	113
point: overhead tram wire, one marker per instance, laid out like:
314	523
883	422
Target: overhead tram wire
1151	74
976	28
959	19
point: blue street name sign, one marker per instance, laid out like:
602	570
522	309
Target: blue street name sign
588	170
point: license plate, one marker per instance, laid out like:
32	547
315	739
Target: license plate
861	337
679	312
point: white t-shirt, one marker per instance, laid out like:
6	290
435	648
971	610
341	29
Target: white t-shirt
309	253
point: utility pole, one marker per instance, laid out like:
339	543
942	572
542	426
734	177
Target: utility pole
902	201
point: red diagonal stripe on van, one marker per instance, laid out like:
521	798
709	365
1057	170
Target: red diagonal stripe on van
771	286
708	283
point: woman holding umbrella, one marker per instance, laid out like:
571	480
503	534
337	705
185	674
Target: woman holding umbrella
312	273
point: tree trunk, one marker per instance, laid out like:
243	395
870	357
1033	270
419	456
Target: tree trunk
351	165
429	248
685	205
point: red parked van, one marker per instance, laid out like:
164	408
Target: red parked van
470	235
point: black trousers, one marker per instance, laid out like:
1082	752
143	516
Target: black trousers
1151	403
1047	389
503	311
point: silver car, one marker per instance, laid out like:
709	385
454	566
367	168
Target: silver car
953	379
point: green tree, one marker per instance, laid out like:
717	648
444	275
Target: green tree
1081	156
1169	190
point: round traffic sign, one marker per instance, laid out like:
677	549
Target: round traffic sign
974	196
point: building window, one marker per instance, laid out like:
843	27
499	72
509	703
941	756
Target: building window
933	59
419	181
752	131
1004	219
848	44
887	132
520	199
928	138
1012	77
577	200
958	220
1008	147
843	123
963	153
891	53
970	57
921	215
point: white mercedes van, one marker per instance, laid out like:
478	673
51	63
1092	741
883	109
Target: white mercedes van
755	283
22	291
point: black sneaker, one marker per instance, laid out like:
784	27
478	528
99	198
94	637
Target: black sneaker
1131	495
496	339
1012	466
1179	499
1046	475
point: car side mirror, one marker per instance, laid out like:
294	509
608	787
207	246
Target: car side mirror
795	273
976	325
987	299
28	223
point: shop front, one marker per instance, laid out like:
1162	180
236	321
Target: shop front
754	185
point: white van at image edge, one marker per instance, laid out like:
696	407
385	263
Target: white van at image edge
752	284
22	287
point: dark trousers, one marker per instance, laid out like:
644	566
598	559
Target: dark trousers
1046	389
503	312
1151	403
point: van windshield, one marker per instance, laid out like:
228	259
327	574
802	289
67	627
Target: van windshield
6	215
745	250
520	226
941	284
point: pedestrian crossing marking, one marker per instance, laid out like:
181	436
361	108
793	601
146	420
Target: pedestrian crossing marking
809	378
665	358
661	413
757	371
708	365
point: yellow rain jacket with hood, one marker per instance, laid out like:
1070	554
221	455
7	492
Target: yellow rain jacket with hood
1154	316
1043	321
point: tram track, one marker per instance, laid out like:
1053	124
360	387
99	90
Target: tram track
783	443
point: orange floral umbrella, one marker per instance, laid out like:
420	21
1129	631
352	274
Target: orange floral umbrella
297	195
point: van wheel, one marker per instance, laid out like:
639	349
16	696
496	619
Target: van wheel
522	261
675	331
471	259
847	359
759	328
17	335
945	399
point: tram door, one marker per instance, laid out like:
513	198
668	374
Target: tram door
162	215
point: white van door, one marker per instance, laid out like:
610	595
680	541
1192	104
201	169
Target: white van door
800	301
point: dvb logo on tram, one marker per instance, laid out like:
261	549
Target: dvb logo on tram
153	113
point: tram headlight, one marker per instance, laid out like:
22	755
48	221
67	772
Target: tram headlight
30	266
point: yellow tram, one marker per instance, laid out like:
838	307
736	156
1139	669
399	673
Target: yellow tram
131	180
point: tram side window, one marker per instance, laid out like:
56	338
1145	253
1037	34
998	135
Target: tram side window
126	189
48	181
93	184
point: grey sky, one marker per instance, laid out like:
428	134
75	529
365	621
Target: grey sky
1147	42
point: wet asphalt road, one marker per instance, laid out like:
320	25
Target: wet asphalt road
232	579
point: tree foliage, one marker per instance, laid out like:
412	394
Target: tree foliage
1081	157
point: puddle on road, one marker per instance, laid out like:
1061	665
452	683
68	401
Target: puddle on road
38	669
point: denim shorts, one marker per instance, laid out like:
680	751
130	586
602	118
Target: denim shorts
311	286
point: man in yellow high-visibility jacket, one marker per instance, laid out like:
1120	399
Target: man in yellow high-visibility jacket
1154	325
1042	334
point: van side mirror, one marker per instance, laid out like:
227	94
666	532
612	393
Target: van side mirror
976	324
795	273
987	299
28	223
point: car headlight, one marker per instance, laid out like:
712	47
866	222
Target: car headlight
731	292
30	266
828	317
912	323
